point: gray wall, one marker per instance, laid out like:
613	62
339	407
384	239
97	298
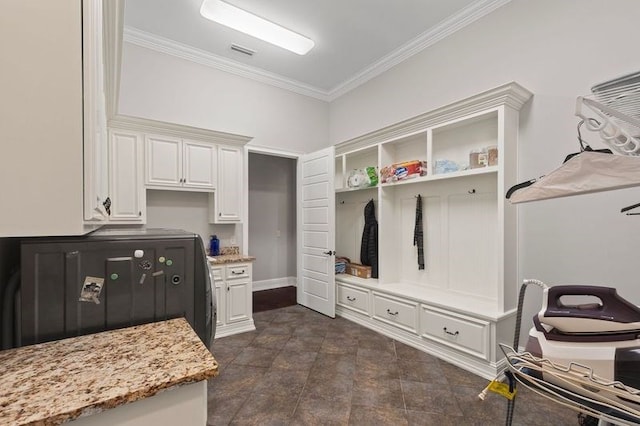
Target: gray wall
558	50
188	211
272	210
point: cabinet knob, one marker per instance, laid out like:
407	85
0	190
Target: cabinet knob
140	213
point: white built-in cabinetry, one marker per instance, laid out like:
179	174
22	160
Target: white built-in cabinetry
233	293
174	163
463	303
52	117
126	186
225	205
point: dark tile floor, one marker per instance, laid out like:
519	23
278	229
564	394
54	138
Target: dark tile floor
302	368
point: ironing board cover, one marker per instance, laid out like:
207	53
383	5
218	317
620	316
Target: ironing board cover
585	173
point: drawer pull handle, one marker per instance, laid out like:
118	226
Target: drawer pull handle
450	333
351	299
392	313
237	273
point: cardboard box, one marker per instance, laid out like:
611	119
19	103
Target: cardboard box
358	270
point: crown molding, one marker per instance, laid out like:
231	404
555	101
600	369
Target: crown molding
199	56
146	125
443	29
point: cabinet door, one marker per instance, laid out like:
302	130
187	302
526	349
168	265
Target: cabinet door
95	118
229	196
125	177
238	301
164	161
200	164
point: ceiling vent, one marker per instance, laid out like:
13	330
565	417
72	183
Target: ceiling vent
241	49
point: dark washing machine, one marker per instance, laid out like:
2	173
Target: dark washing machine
113	278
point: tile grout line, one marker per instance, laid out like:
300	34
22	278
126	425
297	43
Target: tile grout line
404	401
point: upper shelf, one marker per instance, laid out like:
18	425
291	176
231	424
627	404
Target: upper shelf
613	111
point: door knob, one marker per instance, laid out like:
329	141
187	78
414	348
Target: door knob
329	252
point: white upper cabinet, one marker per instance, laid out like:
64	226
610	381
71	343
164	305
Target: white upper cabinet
200	164
227	202
180	164
53	180
164	161
128	200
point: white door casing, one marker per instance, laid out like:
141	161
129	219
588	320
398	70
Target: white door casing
316	232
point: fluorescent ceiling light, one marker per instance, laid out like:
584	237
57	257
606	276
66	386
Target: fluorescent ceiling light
238	19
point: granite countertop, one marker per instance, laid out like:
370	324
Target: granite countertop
50	383
230	258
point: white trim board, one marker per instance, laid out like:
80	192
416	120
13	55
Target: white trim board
275	283
443	29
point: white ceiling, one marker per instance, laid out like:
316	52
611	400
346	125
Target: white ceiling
355	39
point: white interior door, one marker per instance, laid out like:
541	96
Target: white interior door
316	232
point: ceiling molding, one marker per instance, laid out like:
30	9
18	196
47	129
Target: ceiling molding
146	125
180	50
445	28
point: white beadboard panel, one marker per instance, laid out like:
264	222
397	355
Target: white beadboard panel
433	274
350	226
472	243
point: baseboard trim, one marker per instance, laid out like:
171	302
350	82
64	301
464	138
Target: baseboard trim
235	328
274	283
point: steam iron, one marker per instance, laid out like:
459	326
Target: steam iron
601	335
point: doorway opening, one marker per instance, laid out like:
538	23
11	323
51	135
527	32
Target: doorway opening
272	229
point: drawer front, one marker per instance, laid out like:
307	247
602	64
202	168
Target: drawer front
353	298
218	276
463	333
238	271
401	313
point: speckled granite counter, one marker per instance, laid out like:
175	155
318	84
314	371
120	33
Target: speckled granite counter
230	258
49	383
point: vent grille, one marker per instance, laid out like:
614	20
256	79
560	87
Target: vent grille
242	49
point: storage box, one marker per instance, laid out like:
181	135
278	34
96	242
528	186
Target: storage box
358	270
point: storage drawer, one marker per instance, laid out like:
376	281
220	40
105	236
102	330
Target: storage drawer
468	334
217	275
238	271
353	298
401	313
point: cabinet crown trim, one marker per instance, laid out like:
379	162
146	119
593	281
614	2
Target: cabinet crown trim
510	94
145	125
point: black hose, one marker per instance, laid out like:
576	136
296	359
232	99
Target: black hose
8	315
516	341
